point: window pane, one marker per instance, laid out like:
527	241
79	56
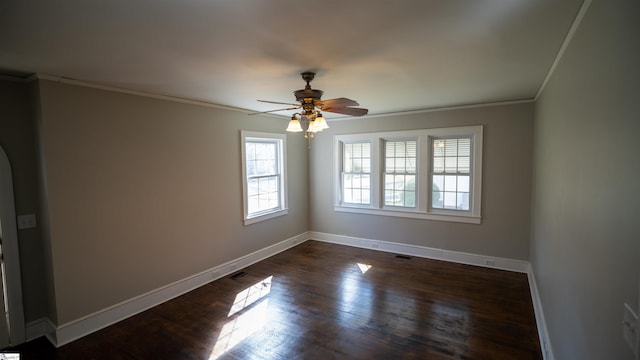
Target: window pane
464	164
450	183
252	187
438	182
391	165
437	198
390	149
464	147
250	150
366	197
463	184
388	181
411	165
411	183
451	165
451	147
438	148
463	201
438	165
410	199
449	200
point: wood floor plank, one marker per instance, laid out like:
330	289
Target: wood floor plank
327	301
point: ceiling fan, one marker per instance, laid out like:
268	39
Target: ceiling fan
310	120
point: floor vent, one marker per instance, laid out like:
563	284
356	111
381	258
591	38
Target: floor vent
239	274
405	257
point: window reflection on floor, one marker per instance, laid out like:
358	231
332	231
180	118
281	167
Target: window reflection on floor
240	328
246	319
250	295
450	320
356	298
364	267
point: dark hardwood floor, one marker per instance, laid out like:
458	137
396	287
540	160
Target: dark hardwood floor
326	301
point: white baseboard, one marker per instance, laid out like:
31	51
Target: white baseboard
457	257
545	344
65	333
38	328
425	252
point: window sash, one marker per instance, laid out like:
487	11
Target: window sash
451	176
400	168
356	173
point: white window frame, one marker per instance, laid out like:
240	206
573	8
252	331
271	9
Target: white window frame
423	209
342	173
383	172
282	209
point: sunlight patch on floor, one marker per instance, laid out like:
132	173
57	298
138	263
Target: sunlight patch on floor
250	295
364	267
240	328
249	312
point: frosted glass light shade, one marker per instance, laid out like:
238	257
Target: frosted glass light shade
294	126
321	123
313	126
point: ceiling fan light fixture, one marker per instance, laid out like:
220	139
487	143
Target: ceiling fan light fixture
320	122
313	127
294	125
310	120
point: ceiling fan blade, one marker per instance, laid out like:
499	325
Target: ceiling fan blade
277	102
347	110
270	111
338	102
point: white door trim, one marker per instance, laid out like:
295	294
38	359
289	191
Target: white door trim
11	252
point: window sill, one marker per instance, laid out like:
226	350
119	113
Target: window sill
263	217
410	214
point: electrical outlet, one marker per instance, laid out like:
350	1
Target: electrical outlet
630	329
490	262
26	221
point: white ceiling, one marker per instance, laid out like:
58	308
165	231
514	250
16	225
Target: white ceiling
389	56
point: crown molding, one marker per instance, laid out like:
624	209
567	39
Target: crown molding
565	44
438	109
66	80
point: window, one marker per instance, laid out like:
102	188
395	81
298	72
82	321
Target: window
451	173
356	174
400	173
426	174
264	180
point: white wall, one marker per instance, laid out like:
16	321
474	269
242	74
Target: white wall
586	229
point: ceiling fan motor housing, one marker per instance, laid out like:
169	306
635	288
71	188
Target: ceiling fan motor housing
308	96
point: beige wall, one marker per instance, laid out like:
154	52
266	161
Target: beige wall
143	192
586	233
139	192
505	228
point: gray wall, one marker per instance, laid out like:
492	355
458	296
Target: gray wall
142	192
586	231
506	193
17	138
